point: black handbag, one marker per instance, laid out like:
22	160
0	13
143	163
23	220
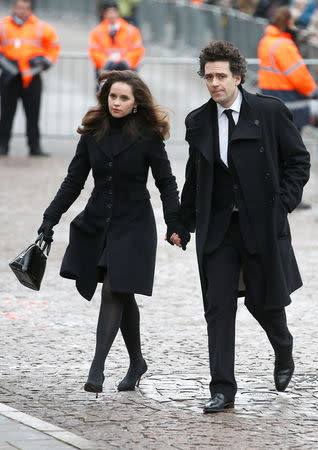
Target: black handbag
29	265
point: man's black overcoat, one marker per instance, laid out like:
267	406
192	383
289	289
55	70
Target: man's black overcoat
118	212
272	165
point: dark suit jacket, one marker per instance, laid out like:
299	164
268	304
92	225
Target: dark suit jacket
226	193
272	165
118	211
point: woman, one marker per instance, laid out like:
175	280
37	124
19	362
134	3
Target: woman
114	239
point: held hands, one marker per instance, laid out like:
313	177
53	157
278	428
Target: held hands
178	235
175	239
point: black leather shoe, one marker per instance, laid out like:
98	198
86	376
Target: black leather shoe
282	376
3	150
132	378
38	152
218	403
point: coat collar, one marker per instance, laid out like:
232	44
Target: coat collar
113	145
31	19
272	31
200	132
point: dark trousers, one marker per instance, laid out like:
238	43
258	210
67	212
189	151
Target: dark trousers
31	96
222	269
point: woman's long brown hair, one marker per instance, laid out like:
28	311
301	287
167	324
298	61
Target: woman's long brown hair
149	117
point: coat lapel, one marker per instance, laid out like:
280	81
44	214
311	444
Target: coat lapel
201	134
248	126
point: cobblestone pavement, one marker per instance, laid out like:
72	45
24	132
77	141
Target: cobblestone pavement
47	337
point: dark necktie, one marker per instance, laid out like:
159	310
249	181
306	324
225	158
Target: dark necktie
228	113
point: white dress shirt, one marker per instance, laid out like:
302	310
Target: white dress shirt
223	123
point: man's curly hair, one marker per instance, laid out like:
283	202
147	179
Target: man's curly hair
223	51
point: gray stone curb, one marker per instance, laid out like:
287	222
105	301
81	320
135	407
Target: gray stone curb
47	429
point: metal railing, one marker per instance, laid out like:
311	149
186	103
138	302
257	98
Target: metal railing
69	91
186	27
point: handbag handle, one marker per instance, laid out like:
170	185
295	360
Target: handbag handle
44	246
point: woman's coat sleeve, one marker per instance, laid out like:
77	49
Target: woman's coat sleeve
72	185
164	180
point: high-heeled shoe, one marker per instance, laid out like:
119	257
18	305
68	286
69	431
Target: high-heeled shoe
132	378
92	386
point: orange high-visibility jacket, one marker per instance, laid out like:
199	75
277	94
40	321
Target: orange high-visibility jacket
127	42
281	66
21	43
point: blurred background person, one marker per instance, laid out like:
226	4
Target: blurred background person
128	9
247	6
115	44
303	13
267	8
306	21
27	47
282	71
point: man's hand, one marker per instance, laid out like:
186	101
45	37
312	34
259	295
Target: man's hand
120	65
41	62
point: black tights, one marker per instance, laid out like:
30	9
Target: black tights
117	310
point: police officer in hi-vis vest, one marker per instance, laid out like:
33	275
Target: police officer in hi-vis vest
115	44
27	47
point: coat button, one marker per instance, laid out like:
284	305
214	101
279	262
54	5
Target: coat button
261	149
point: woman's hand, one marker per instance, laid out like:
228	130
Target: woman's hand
46	229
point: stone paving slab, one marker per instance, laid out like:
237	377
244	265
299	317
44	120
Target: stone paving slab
49	337
25	432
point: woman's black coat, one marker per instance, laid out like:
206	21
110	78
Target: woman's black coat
118	212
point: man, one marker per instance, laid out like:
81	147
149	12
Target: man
246	171
115	44
282	71
128	10
27	47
